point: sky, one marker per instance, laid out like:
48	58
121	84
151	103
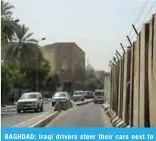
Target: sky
97	26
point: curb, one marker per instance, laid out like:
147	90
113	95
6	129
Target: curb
45	121
115	120
83	103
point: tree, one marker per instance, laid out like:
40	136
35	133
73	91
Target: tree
6	22
23	47
91	81
6	9
11	77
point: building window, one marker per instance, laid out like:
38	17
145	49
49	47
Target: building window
64	65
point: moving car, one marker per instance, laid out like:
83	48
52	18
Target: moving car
30	101
99	96
60	97
78	95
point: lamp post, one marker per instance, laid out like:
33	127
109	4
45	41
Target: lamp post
37	63
16	21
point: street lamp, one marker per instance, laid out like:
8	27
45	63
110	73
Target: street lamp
16	21
37	63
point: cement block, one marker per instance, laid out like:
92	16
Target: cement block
131	85
113	116
112	86
126	86
115	123
122	86
120	124
116	86
115	119
112	113
144	105
119	88
153	95
136	85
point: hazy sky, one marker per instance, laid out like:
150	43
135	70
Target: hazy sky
97	26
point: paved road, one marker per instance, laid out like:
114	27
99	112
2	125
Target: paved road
89	115
9	119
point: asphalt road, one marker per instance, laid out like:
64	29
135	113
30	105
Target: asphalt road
11	117
89	115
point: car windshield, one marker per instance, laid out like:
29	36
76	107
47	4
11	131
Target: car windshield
78	93
99	93
60	95
29	96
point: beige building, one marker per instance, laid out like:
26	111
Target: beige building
68	60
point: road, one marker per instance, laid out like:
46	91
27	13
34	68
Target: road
89	115
11	118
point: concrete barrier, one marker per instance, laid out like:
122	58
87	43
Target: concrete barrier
45	121
85	102
153	94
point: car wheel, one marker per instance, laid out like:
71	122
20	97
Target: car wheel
38	108
41	109
94	101
52	104
18	111
24	111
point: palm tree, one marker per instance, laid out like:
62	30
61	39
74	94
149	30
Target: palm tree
23	46
22	36
6	9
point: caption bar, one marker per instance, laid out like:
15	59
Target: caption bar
49	134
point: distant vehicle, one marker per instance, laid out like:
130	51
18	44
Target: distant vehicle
78	95
99	96
88	94
60	97
48	94
30	101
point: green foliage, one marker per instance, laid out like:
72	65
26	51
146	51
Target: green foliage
6	9
24	60
91	81
11	76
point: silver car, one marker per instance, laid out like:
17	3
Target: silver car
78	95
30	101
60	97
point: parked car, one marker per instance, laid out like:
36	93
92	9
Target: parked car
30	101
88	94
99	96
60	97
78	95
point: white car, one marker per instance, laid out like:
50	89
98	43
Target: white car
99	96
30	101
79	95
60	97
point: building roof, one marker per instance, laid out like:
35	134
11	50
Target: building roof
54	45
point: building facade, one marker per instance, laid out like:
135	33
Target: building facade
68	61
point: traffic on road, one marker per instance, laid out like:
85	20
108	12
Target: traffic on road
32	105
